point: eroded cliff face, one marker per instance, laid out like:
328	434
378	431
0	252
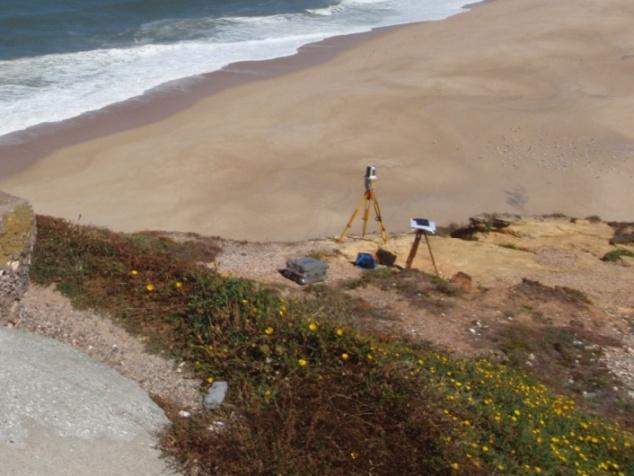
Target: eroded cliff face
17	237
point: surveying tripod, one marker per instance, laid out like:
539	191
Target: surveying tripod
368	202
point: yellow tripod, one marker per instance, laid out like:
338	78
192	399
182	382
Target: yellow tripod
367	202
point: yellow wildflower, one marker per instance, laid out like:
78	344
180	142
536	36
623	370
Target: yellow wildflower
345	356
210	380
149	287
302	362
339	331
134	272
354	455
312	327
268	331
178	285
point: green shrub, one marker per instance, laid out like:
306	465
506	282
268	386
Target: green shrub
617	255
309	392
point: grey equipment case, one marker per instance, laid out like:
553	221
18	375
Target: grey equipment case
305	270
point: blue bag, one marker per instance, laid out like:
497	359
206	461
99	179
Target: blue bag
365	261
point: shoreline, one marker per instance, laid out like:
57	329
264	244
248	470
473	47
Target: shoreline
511	107
21	149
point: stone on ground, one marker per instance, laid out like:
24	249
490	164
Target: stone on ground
216	395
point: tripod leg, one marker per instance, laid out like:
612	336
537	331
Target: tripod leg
433	261
366	214
413	251
349	224
379	219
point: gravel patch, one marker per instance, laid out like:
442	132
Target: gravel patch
620	361
261	261
47	312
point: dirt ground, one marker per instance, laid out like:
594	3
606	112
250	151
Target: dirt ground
531	276
538	272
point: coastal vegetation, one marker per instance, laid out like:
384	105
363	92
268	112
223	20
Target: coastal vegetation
617	255
310	391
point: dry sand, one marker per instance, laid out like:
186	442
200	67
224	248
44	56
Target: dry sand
517	105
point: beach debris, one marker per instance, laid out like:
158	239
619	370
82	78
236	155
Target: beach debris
216	395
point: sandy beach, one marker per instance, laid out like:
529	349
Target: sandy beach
521	106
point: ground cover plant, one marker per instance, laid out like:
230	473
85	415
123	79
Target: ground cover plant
568	360
418	287
617	255
310	393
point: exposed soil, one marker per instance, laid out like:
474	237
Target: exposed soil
537	272
542	277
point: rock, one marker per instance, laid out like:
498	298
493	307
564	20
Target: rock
462	281
484	223
216	395
623	234
216	426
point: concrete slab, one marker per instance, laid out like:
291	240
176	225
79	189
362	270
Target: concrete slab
62	414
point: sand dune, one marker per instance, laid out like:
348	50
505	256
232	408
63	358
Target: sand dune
517	105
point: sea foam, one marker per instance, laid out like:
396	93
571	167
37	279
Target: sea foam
55	87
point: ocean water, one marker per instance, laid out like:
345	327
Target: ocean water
61	58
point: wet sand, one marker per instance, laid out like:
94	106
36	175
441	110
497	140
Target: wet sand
517	105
